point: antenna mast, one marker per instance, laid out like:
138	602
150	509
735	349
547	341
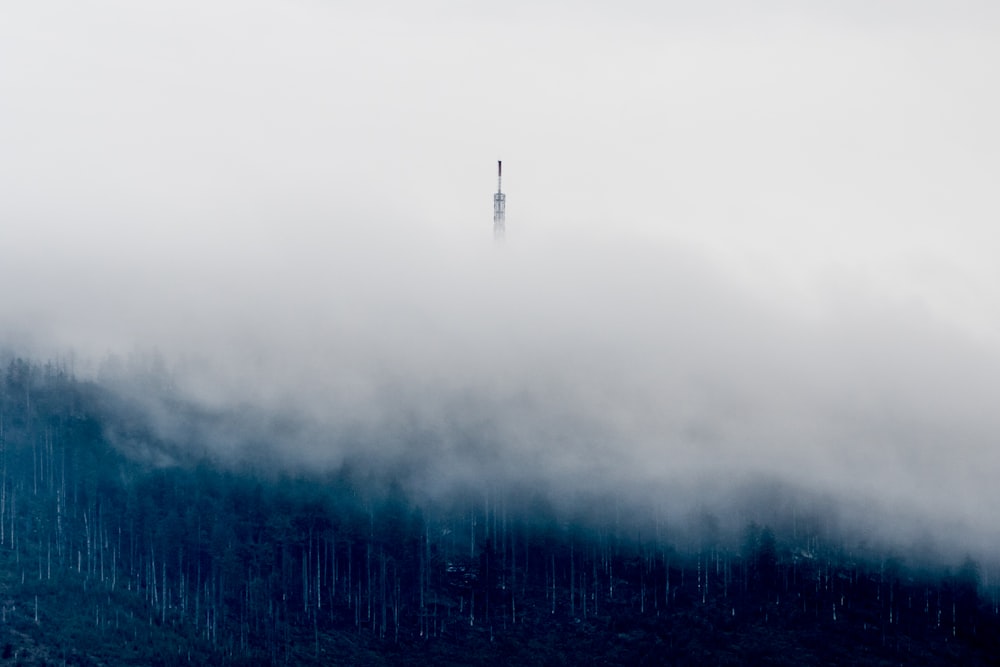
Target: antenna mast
499	207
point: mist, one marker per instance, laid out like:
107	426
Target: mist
743	248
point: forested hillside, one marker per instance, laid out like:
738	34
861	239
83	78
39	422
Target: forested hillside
112	555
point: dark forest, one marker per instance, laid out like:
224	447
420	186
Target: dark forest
109	556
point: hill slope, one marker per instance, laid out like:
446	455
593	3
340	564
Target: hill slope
108	559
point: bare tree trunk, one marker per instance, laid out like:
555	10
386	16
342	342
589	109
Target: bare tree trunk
572	582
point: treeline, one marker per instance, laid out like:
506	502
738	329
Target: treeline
107	560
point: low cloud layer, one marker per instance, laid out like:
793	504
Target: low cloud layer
570	364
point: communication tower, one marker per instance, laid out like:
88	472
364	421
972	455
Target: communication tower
499	207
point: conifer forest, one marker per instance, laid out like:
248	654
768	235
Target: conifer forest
114	556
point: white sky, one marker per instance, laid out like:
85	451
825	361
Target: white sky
753	224
791	143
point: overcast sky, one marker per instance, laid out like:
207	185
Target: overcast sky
752	236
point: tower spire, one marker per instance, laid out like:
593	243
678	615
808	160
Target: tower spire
499	206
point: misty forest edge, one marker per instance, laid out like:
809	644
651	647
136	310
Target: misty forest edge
114	555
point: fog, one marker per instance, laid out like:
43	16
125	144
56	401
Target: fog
743	243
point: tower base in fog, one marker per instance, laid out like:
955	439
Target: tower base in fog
499	208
